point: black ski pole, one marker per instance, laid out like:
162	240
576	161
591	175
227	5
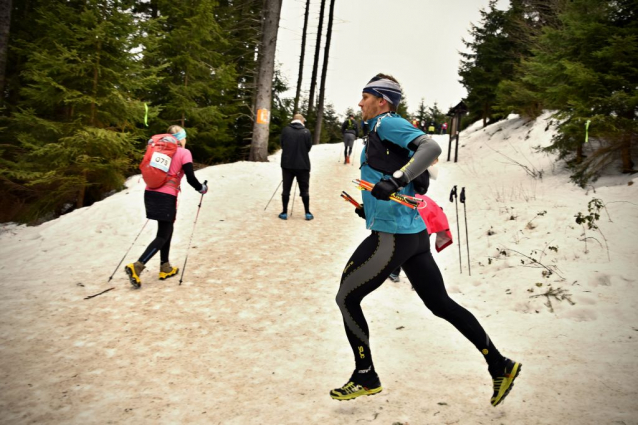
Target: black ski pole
294	193
458	229
467	240
129	249
199	207
273	194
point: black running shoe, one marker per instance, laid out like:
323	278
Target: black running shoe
503	380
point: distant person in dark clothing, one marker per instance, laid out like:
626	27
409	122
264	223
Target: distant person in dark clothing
296	142
350	131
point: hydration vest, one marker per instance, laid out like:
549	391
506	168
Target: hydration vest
387	157
157	161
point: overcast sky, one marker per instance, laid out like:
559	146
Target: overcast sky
417	41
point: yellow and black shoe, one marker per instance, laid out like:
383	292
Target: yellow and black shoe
503	381
133	271
166	271
354	389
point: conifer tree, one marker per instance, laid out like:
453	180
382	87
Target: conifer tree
526	20
585	68
491	59
436	115
240	22
75	130
196	79
421	113
588	70
402	108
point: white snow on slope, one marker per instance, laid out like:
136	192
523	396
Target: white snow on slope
253	335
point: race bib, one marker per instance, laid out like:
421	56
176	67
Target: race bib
160	161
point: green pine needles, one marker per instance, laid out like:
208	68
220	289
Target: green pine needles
578	58
79	74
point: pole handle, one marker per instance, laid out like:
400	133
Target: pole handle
462	196
453	194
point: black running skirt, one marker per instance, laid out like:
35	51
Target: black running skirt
160	206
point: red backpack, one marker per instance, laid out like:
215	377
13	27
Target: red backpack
157	160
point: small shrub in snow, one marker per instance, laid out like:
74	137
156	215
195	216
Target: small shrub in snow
590	221
559	294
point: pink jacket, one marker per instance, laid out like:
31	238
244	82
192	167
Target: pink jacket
436	222
182	156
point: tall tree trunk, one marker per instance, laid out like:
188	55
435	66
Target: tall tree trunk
324	72
486	114
5	25
79	203
182	121
263	102
625	153
154	9
579	153
96	75
96	79
315	65
301	58
257	51
627	145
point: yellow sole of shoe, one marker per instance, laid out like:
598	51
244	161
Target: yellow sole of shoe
508	385
132	277
341	397
164	276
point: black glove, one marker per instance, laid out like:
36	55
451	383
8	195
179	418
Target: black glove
385	188
421	183
360	212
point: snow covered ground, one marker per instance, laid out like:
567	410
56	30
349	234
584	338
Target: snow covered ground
253	335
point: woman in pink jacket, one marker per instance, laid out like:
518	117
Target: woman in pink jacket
161	205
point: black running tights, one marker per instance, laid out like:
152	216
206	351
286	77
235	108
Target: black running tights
371	264
162	243
303	179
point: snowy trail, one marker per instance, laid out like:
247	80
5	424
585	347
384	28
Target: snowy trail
253	335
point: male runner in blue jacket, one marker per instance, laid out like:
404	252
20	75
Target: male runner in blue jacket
396	154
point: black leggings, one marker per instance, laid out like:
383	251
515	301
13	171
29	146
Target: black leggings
162	243
347	151
371	264
303	180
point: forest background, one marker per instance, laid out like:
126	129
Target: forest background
84	83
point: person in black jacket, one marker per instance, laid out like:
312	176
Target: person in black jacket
350	131
296	142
